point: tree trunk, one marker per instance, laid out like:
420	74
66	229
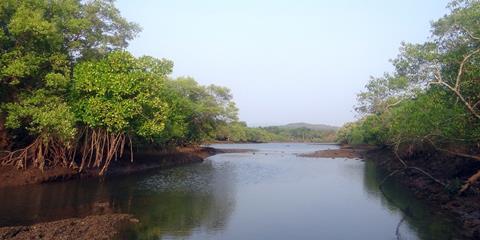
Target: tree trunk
4	140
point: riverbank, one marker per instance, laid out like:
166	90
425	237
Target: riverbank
447	169
143	161
345	151
95	227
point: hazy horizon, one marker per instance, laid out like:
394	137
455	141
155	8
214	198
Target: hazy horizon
285	62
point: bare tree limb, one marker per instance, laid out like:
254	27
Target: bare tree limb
394	104
460	96
462	66
471	180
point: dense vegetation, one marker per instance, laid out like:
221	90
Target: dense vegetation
432	98
70	95
239	132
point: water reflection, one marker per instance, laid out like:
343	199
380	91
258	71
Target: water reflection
169	203
421	220
182	200
272	194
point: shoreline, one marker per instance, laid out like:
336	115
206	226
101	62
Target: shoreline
345	151
143	161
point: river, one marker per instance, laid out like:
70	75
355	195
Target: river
269	193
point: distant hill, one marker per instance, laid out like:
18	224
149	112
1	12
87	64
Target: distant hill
321	127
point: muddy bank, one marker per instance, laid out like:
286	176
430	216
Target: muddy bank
448	169
143	161
107	226
345	151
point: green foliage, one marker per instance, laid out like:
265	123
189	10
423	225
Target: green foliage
369	130
259	135
301	134
433	116
37	34
65	79
121	93
40	41
42	115
235	132
239	132
197	111
432	96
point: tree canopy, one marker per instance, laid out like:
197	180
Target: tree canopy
71	95
432	97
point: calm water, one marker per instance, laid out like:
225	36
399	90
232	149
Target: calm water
267	194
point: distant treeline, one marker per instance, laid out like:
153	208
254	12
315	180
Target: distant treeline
239	132
432	98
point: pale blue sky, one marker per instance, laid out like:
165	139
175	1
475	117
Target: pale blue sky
285	61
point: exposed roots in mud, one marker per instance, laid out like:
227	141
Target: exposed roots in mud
97	148
41	153
406	167
94	148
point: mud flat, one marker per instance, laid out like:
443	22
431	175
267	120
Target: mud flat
107	226
344	151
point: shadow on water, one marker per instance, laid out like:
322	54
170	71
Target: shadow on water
419	217
168	203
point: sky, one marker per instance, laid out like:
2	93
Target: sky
284	61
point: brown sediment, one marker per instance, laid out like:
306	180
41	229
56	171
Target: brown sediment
143	160
94	227
345	151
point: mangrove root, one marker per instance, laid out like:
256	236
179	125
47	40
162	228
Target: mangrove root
43	152
99	147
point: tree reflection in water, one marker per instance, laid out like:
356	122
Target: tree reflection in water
419	217
171	202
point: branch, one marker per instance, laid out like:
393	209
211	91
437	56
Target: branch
453	152
462	65
394	104
470	34
459	154
459	95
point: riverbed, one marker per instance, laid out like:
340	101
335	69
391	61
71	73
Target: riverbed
267	193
